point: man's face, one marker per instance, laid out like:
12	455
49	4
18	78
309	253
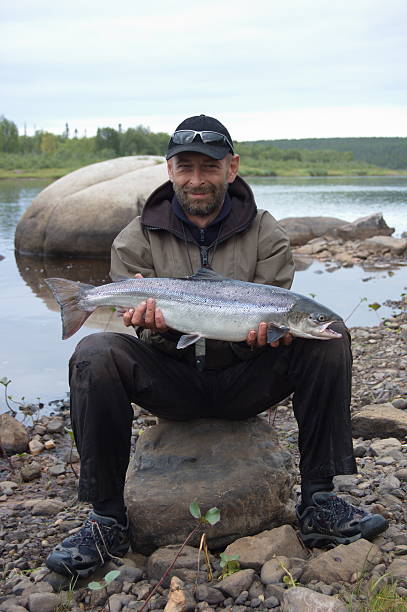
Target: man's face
200	182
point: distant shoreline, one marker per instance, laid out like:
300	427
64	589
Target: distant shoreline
56	173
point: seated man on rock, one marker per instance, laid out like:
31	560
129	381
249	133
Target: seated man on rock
205	215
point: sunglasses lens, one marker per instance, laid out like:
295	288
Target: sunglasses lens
212	137
183	136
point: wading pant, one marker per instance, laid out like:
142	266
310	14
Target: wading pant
110	370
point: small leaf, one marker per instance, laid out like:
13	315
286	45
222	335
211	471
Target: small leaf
212	516
95	586
286	579
195	510
375	306
5	381
110	576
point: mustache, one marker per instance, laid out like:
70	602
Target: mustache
198	190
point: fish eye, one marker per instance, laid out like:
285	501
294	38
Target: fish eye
321	318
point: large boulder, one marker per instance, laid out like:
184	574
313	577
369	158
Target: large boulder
236	466
365	227
81	213
302	229
13	435
386	244
379	421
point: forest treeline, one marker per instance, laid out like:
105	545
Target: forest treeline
318	157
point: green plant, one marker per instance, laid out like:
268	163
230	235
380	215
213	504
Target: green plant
66	597
70	433
288	579
103	584
211	517
229	563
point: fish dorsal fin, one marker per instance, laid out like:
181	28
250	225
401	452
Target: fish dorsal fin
206	274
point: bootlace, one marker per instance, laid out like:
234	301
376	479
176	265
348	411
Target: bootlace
92	533
336	511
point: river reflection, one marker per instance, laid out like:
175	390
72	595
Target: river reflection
33	271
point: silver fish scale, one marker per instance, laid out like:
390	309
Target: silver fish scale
228	294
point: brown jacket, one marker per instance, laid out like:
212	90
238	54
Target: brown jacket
251	247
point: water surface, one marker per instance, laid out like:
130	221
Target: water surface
32	353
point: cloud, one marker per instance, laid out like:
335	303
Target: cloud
80	60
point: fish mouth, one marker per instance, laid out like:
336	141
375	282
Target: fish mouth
324	331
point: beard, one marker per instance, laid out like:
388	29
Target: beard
197	208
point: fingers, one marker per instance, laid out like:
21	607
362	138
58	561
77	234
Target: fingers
257	338
146	315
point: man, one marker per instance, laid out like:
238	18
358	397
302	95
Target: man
205	215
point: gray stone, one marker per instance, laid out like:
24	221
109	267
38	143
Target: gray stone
9	606
13	435
342	562
365	227
389	484
300	599
30	471
383	244
380	420
47	507
57	470
382	447
55	426
398	569
163	557
254	551
42	602
82	212
303	229
400	403
236	583
401	474
209	594
234	465
274	570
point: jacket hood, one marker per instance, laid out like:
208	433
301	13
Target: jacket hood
157	212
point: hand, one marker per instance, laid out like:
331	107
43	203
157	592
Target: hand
257	339
146	314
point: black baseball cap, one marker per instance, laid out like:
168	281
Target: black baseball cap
213	138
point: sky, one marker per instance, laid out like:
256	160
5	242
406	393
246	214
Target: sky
267	69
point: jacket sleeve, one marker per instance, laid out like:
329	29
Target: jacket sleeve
131	253
275	264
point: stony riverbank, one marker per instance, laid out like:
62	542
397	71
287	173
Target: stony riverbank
38	507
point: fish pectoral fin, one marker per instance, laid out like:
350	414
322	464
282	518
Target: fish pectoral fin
187	340
275	333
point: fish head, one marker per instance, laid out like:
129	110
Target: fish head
308	319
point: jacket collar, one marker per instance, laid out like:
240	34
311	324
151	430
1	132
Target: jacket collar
157	213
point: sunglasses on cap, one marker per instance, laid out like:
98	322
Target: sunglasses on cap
208	137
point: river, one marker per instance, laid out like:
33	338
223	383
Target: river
34	357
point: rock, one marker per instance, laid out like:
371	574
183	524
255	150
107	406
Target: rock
235	465
398	569
364	227
389	484
380	420
57	470
163	557
30	471
13	435
209	594
272	572
254	551
36	447
7	487
236	583
302	229
342	562
55	426
401	474
179	599
382	447
300	599
49	444
47	507
81	213
385	244
400	403
42	602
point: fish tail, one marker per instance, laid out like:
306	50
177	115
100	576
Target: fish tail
68	295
